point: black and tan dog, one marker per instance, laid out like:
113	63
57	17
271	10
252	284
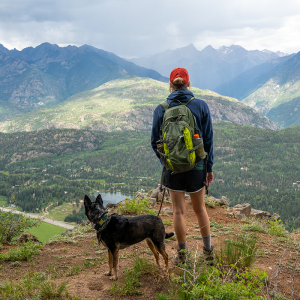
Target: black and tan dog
118	232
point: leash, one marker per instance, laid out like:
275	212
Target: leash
161	185
162	200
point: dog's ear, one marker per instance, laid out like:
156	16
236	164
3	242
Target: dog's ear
87	201
99	200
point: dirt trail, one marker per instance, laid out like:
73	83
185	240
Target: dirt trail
46	213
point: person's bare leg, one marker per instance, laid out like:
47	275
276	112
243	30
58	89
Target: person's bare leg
179	209
200	211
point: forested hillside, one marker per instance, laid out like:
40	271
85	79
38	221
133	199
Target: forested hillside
252	165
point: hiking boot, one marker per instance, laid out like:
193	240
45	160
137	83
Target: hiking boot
208	256
180	257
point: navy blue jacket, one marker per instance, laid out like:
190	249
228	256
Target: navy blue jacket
200	110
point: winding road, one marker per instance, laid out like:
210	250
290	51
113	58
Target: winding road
33	216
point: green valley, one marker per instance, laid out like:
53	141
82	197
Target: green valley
252	165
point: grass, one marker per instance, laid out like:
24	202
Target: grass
72	236
3	201
34	285
167	222
22	253
60	212
241	250
129	285
214	224
226	280
45	231
253	227
136	207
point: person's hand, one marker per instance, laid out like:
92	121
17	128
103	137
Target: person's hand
209	178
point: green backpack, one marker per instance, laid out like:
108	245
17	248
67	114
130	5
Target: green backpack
177	147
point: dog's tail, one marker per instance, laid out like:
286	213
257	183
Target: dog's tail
168	235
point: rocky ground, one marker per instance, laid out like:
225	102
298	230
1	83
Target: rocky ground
87	281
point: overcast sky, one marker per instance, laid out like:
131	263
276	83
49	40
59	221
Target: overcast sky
133	28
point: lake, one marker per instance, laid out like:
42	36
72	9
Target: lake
112	197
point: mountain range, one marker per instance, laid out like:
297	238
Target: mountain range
209	67
127	104
48	74
273	89
267	81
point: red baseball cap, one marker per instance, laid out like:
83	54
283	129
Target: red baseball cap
179	72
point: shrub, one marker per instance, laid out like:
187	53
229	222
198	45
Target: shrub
22	253
49	289
217	283
214	224
240	251
167	222
12	225
254	227
136	207
210	203
276	228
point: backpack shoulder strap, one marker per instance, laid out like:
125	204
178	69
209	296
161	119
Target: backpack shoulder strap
165	105
186	103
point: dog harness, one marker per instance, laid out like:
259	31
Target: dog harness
102	223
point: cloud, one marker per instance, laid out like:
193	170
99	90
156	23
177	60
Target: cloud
136	28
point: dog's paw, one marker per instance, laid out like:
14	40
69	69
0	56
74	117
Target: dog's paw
108	273
114	277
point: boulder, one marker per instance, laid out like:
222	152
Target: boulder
154	193
111	205
259	214
140	195
222	201
167	210
28	237
157	194
239	216
236	215
275	216
153	200
66	231
244	208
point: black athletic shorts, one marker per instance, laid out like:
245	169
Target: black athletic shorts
190	182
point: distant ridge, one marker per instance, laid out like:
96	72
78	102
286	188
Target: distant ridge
48	74
209	67
127	104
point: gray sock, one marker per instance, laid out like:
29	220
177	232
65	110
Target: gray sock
206	242
182	246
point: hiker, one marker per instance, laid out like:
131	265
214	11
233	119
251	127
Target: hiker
192	181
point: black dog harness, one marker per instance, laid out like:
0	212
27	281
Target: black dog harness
100	226
103	222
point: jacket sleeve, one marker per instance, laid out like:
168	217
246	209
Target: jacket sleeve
208	137
156	124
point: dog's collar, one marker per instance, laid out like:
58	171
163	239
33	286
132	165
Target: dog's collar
103	222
